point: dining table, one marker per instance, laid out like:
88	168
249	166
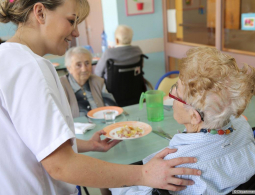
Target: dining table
134	150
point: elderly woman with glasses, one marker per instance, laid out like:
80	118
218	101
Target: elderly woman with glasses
209	98
84	90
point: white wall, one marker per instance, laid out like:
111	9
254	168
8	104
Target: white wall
148	33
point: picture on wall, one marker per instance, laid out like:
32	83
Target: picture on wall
136	7
248	21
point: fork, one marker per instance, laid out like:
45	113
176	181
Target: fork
125	113
164	133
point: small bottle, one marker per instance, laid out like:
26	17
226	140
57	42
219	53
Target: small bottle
104	42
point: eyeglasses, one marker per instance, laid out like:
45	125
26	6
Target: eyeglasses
182	101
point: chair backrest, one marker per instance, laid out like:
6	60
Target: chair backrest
125	82
165	83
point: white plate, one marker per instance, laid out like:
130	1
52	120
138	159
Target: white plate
114	135
111	129
98	113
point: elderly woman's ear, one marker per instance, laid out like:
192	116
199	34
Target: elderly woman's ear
195	118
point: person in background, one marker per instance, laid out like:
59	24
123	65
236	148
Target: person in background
39	150
84	90
209	98
123	51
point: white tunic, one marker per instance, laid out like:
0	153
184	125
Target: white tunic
35	119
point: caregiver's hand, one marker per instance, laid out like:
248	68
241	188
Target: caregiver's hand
164	171
102	145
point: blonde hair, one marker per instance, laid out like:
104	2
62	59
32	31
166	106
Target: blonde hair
215	85
18	11
76	50
124	34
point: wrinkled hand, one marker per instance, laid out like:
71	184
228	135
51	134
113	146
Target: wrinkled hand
159	173
102	145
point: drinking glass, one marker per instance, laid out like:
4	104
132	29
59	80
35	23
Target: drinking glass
109	117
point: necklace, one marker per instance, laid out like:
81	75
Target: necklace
219	131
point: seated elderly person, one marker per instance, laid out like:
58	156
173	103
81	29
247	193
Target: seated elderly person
123	52
209	98
84	90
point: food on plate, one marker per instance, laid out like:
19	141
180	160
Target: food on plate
129	132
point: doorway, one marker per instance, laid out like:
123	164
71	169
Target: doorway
92	28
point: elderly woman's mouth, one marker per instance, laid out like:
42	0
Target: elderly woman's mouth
84	75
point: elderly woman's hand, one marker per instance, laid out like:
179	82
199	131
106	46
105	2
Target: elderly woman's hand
164	171
102	145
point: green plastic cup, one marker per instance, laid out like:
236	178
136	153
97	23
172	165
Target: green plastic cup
154	104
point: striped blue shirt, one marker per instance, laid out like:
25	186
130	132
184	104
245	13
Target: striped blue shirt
226	161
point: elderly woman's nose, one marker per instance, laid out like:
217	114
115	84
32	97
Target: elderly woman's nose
83	67
75	32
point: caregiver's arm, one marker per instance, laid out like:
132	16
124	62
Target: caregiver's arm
66	165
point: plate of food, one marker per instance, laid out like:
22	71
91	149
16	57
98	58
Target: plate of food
127	130
98	113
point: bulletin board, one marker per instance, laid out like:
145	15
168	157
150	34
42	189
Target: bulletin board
132	7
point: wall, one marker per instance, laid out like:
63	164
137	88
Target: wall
147	36
110	15
95	25
142	24
7	30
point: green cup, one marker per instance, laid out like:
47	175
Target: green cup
154	104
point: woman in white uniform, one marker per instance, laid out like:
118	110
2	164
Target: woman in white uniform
39	151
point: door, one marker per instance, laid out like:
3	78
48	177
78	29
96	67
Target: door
95	25
91	29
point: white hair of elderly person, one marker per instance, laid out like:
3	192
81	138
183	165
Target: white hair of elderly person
81	86
123	35
211	94
123	51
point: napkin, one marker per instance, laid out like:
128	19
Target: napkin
81	128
